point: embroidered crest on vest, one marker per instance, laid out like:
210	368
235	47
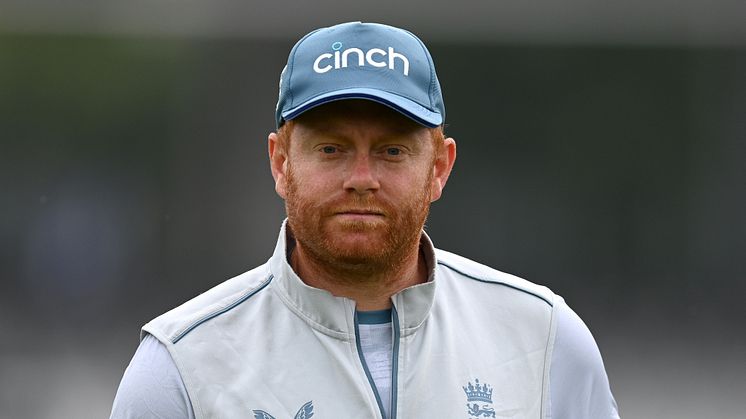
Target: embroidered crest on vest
476	393
305	412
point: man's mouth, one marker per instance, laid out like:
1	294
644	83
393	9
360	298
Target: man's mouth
360	212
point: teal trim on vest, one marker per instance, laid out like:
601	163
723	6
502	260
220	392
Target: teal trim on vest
395	363
365	367
496	283
233	305
374	317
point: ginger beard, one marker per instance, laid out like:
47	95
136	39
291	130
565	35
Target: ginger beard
356	246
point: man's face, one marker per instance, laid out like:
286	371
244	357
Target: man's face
358	182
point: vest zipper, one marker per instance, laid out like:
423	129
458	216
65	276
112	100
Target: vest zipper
394	364
394	361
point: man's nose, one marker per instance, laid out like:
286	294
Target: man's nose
361	177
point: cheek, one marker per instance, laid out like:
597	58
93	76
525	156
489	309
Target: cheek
315	182
310	187
408	191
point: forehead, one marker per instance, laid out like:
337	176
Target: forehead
355	117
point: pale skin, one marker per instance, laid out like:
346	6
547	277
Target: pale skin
359	149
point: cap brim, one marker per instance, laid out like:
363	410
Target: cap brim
405	106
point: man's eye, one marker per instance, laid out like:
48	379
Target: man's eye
393	151
329	149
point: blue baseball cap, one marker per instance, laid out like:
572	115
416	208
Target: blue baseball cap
358	60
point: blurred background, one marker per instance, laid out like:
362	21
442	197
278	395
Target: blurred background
601	153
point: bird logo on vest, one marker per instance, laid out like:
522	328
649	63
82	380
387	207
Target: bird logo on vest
305	412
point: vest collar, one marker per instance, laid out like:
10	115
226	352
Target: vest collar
335	315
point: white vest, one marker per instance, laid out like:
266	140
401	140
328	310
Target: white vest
472	342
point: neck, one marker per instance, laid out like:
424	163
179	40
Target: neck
371	290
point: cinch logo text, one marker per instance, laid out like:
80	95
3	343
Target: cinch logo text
374	56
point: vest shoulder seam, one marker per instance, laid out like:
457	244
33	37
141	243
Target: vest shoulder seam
495	282
244	297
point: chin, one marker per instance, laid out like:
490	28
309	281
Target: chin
358	245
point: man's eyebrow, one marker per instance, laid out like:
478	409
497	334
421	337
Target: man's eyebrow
320	134
330	131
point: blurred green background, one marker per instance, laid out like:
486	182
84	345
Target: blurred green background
134	176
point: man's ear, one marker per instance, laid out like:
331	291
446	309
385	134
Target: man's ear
442	169
278	163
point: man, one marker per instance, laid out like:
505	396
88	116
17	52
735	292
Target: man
357	315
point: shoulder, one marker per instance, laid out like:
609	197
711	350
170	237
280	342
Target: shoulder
579	384
575	347
151	386
171	326
479	273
